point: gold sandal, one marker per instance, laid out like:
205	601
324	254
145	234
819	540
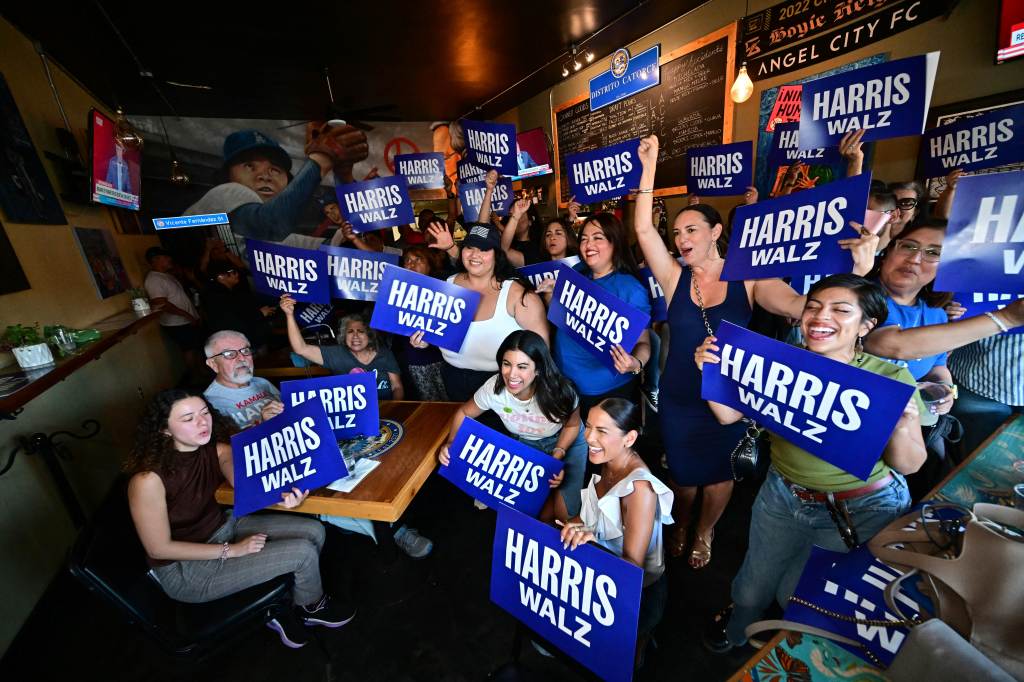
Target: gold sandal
699	558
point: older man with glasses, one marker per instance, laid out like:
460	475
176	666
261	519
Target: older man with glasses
235	392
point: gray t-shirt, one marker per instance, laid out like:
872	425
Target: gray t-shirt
242	404
339	359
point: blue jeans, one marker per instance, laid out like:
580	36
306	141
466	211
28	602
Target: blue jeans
575	465
782	530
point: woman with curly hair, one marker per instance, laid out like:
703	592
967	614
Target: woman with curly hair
199	552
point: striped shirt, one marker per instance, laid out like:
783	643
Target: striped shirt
992	367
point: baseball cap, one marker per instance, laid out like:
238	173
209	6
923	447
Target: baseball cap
247	140
482	236
154	251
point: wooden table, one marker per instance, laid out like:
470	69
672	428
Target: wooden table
988	475
386	492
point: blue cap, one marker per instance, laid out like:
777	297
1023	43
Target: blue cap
247	140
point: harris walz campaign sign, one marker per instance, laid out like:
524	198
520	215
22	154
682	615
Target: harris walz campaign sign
538	272
471	194
606	173
295	449
816	403
410	302
356	274
890	99
797	234
499	470
593	317
350	401
375	204
278	269
995	138
984	247
424	170
978	303
491	145
585	602
785	149
720	171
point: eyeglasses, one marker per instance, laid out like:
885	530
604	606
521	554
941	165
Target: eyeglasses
906	204
910	249
232	354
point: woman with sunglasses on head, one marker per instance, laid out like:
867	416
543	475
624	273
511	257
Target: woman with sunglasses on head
697	446
806	501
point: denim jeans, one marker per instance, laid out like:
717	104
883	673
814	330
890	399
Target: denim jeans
575	464
782	530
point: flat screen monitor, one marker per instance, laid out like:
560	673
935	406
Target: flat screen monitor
532	154
116	177
1010	42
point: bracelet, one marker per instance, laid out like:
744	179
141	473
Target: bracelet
999	323
638	371
224	551
645	191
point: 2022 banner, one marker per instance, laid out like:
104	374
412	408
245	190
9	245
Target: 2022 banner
375	204
720	171
491	145
606	173
410	302
350	401
356	274
278	269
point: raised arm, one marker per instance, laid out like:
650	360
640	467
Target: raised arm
945	201
491	180
850	149
907	344
665	268
508	232
298	344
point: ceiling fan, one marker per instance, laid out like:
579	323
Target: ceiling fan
336	115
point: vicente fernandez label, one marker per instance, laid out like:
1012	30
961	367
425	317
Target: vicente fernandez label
410	302
421	171
797	234
984	246
722	170
838	412
350	401
356	274
491	145
995	138
498	470
179	222
594	318
585	602
606	173
278	269
375	204
890	99
295	449
471	194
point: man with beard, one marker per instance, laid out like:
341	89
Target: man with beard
235	392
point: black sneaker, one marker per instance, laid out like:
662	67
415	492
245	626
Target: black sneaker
330	614
714	637
292	634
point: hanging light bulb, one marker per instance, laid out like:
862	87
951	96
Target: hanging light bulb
565	71
125	133
589	56
576	66
742	87
178	175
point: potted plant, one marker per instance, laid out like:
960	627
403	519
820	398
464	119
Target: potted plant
140	302
28	346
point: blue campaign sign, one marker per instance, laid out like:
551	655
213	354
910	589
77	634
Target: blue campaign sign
471	194
278	269
722	170
538	272
626	77
309	314
498	470
356	274
980	303
178	222
350	401
659	307
606	173
992	139
470	173
410	302
797	234
785	149
585	602
421	171
889	99
491	145
594	318
295	449
984	247
814	402
375	204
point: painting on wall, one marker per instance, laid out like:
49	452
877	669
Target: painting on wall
12	276
102	260
25	190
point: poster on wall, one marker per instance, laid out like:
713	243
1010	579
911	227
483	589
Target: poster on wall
102	260
25	192
12	276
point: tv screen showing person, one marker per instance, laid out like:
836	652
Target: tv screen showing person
532	154
116	176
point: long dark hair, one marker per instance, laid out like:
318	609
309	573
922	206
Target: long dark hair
572	245
624	413
870	296
712	217
931	298
153	449
615	232
555	393
503	270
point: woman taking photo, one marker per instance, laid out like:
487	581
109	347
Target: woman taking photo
199	552
697	447
624	506
806	501
539	407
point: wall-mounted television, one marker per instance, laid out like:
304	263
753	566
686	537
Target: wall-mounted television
1010	42
532	154
115	171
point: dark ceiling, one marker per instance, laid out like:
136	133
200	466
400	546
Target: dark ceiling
418	60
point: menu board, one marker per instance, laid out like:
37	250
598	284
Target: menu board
689	108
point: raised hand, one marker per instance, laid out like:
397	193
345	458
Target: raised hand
648	150
442	237
862	248
287	304
491	179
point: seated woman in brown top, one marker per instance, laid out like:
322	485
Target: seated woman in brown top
199	552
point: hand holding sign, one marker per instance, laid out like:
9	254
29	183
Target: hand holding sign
294	498
862	248
850	148
624	362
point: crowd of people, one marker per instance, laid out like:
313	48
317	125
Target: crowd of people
519	375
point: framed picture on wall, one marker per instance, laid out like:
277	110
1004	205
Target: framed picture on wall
12	276
102	260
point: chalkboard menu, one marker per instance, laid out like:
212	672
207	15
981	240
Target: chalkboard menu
689	108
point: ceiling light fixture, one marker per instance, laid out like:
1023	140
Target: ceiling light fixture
576	66
589	56
742	87
125	133
565	71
